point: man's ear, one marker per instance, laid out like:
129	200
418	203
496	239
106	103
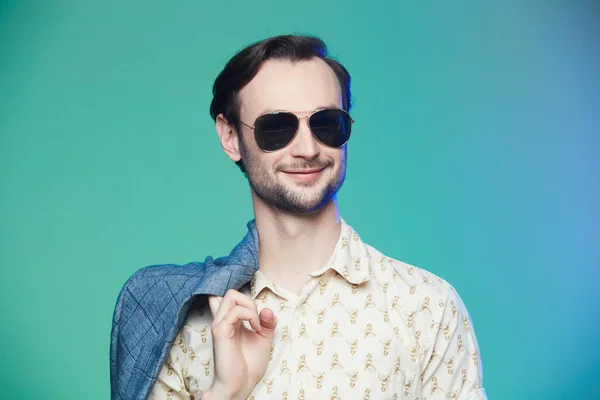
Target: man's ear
230	142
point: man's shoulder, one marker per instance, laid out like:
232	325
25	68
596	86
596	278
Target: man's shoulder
148	281
149	276
158	283
407	278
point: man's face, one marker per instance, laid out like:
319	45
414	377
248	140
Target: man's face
305	175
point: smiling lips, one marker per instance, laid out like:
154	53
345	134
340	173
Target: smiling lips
304	174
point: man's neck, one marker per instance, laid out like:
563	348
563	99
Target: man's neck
293	245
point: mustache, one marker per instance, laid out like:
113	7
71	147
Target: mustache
312	164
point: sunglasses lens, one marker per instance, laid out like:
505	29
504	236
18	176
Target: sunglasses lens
332	127
275	131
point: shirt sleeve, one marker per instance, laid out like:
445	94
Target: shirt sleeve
170	384
453	369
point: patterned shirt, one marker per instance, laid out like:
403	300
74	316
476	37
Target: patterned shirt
364	326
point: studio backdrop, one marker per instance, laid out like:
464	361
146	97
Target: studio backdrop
474	155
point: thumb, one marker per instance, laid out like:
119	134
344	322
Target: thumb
214	302
268	322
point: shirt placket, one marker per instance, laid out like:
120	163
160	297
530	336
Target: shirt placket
300	384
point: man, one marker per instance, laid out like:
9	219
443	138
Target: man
301	308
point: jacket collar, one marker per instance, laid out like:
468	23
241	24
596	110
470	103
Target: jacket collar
234	270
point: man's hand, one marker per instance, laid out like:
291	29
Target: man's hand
241	354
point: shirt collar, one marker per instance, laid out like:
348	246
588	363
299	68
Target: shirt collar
350	259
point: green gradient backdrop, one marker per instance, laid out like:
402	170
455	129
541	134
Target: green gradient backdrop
474	155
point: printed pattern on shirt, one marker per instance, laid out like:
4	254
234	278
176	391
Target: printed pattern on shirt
364	326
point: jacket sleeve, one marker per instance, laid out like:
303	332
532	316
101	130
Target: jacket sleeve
144	325
116	346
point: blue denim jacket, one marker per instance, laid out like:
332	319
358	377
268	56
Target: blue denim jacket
153	304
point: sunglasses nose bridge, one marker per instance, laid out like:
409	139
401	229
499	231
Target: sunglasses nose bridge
306	117
304	125
304	142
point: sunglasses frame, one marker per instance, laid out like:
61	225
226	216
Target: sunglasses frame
298	128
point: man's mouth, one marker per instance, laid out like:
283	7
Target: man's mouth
304	174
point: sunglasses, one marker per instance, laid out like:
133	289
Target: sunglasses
274	131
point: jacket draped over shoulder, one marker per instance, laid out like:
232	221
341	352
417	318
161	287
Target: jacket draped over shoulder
153	304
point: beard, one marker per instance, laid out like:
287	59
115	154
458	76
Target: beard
306	196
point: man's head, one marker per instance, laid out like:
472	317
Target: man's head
292	74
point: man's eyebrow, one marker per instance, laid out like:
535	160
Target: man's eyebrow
274	110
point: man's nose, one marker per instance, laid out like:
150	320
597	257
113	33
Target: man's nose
304	143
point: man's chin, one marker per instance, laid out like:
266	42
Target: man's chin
307	204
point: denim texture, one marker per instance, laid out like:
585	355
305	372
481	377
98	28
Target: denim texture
152	306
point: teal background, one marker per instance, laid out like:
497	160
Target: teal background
474	155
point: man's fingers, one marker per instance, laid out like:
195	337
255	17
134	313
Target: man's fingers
214	302
231	299
268	322
235	315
